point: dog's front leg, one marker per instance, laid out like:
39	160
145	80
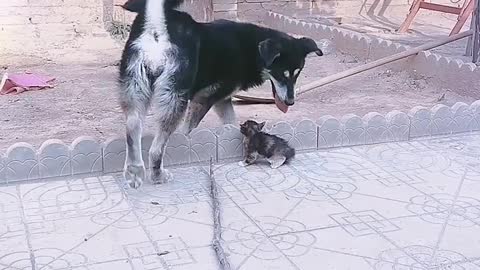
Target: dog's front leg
224	110
134	165
170	108
134	101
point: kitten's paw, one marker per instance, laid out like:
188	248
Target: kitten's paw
134	175
161	176
243	164
275	166
276	162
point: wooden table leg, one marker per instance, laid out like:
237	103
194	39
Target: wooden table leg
462	18
411	15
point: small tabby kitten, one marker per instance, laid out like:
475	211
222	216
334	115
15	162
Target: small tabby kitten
260	144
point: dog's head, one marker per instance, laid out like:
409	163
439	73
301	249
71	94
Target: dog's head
251	127
283	60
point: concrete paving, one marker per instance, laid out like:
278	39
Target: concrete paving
410	205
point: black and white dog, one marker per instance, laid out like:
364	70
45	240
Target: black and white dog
172	62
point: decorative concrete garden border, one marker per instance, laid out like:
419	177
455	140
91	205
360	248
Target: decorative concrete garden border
448	72
85	155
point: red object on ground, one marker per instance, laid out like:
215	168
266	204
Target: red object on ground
18	83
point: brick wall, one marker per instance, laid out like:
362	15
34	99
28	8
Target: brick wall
29	25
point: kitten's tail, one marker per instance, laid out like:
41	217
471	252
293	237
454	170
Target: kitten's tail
289	153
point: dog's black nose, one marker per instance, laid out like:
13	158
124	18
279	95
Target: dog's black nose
289	102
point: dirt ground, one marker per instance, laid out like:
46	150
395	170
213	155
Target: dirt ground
84	100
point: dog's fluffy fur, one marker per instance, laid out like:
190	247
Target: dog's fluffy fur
173	62
258	144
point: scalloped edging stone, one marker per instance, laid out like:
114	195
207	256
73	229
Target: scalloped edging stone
329	132
353	130
54	159
85	155
114	154
301	135
2	170
475	111
398	125
21	163
229	143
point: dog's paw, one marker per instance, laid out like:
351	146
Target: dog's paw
242	164
161	177
134	175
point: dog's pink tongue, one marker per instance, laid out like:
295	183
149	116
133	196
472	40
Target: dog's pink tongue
280	105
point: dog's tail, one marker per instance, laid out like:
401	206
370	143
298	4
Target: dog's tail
139	6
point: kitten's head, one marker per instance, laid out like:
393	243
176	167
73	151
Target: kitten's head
251	127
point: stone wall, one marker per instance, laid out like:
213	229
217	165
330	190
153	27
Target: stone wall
30	25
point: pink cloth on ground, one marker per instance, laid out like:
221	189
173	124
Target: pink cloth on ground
24	82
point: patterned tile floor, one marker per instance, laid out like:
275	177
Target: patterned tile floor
410	205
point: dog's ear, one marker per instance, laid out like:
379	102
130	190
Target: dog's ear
269	51
135	5
308	46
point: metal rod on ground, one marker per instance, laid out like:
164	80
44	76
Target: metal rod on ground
217	222
382	61
353	71
254	100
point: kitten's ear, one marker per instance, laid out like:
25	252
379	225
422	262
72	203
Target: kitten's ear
261	125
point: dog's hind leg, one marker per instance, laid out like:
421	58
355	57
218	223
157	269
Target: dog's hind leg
224	110
134	104
170	107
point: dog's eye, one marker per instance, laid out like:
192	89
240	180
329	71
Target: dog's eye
286	73
296	72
